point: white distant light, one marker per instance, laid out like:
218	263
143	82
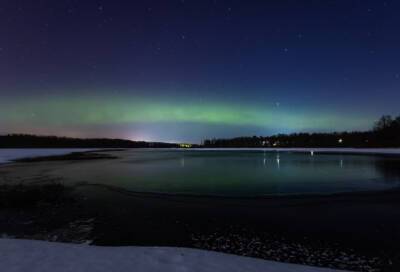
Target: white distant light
340	141
312	152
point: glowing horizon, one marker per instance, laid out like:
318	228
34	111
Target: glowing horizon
84	111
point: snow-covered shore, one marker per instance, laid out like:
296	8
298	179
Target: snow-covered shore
383	151
10	154
40	256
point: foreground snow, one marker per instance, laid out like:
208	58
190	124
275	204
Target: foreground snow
35	256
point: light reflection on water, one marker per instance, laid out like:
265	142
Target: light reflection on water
240	173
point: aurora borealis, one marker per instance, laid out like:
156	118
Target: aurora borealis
189	70
76	113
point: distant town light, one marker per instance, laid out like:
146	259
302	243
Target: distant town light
185	145
340	140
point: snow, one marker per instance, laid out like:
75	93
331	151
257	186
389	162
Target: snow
10	154
40	256
383	151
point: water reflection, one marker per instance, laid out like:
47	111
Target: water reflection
242	173
389	169
264	159
278	160
183	162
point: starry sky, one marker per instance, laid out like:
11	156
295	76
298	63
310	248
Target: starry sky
186	70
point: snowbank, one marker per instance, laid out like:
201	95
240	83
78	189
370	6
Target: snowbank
39	256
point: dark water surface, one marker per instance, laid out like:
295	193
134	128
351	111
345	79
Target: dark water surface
239	173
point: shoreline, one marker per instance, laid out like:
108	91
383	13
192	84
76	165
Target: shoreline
275	196
289	227
341	230
36	153
264	228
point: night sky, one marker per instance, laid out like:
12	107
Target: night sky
185	70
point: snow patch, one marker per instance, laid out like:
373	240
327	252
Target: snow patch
40	256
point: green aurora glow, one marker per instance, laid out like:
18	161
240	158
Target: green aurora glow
87	111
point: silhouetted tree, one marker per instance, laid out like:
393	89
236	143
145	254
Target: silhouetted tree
387	131
385	122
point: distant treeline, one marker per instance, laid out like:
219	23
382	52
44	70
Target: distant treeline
385	133
31	141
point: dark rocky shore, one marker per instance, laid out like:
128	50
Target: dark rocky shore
354	231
